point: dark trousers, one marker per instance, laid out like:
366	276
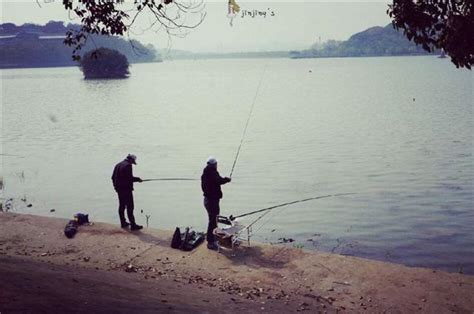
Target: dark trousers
213	209
126	201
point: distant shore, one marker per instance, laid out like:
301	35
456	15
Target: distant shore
108	269
59	65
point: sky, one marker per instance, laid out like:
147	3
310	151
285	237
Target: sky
293	26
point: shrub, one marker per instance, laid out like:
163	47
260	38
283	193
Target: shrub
104	63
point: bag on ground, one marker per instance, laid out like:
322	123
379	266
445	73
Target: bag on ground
188	240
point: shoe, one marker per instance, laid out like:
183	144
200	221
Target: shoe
212	246
136	227
125	225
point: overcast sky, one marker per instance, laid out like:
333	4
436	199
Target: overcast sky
295	25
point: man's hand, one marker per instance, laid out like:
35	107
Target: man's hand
228	179
140	180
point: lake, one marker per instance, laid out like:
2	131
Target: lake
395	131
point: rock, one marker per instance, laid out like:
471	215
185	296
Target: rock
345	283
86	259
286	240
52	210
130	268
29	205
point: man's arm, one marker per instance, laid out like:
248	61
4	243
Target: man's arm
130	174
137	179
222	180
114	177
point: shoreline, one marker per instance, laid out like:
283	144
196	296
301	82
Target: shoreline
140	271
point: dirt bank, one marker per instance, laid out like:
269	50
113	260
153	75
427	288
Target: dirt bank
108	269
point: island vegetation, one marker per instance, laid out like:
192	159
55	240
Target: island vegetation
104	63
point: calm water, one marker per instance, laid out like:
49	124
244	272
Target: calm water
398	132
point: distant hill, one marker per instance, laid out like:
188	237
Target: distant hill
375	41
173	54
31	45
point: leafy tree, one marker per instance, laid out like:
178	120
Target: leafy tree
7	28
438	24
104	63
54	27
32	28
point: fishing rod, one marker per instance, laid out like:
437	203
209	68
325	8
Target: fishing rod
247	123
170	179
11	155
286	204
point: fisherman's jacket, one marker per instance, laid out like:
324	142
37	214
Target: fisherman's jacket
211	183
122	177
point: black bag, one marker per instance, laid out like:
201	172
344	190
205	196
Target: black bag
81	218
186	241
71	229
176	241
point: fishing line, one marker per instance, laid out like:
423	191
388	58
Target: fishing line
248	120
269	218
267	210
170	179
286	204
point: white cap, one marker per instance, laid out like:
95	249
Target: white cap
211	161
132	158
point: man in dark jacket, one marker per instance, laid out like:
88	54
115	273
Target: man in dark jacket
122	179
211	183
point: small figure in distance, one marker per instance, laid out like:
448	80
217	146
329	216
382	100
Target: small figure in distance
122	179
211	183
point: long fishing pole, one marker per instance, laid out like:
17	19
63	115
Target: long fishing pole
248	120
170	179
10	155
286	204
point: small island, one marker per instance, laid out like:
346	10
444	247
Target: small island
104	63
